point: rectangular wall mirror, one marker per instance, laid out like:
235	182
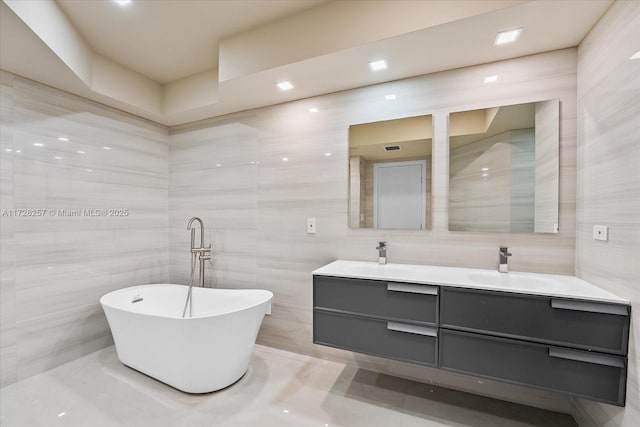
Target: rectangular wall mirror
504	168
390	173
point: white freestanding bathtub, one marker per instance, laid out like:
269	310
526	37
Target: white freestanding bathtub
200	354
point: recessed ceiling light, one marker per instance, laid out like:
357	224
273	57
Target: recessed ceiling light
507	36
38	144
285	159
218	165
313	110
8	150
63	139
123	2
107	148
58	158
18	151
284	85
378	65
490	79
485	169
390	97
327	154
635	55
485	174
89	170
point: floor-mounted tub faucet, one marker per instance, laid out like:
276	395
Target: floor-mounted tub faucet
200	253
382	252
504	254
204	253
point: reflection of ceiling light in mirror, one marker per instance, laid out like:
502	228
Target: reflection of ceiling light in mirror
218	165
286	411
57	157
80	152
284	85
390	97
89	170
505	37
327	154
18	151
378	65
107	148
490	79
8	150
123	2
63	139
38	144
635	55
485	169
485	174
313	110
285	159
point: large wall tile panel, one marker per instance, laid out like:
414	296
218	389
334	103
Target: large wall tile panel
609	182
256	204
55	266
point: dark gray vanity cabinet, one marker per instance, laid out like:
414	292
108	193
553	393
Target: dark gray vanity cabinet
571	346
387	319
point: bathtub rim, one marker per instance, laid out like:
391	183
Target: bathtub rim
194	318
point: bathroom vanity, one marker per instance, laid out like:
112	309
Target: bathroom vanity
552	332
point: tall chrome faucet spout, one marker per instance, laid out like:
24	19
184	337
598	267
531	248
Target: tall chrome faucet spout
200	253
382	252
503	266
195	218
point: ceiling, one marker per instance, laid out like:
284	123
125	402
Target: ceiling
175	62
170	40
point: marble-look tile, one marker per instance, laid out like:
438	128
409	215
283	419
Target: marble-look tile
55	267
279	389
609	183
8	351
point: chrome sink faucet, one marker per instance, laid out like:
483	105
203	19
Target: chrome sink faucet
504	254
382	252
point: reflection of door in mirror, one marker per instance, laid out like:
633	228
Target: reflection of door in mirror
504	168
399	195
389	173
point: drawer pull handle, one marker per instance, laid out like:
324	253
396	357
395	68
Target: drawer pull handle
581	356
414	289
593	307
412	329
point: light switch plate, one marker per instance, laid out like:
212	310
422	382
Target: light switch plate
311	225
601	232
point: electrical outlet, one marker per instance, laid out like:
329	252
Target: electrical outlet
311	226
601	232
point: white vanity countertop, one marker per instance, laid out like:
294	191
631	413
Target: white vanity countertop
522	283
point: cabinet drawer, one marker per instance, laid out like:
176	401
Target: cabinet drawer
576	372
587	325
386	300
393	340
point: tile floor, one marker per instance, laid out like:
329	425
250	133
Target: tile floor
280	389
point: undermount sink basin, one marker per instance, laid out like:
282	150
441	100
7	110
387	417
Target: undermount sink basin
516	280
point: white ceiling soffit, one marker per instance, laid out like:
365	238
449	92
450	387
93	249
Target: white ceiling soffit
321	49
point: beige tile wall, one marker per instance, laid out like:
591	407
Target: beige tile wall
609	182
255	205
55	268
